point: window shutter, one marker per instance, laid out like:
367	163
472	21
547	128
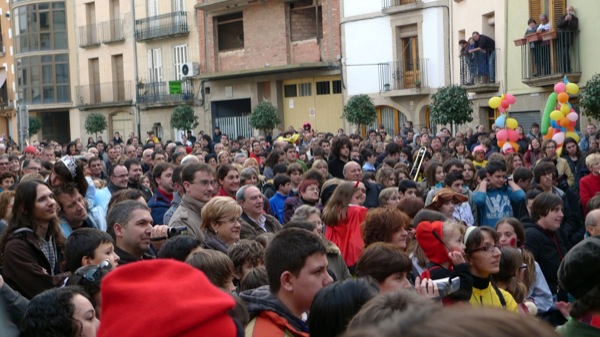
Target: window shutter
535	9
559	8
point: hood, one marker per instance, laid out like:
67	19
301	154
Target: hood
261	299
432	244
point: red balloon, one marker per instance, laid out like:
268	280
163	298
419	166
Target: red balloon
513	135
504	104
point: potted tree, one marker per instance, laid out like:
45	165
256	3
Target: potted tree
360	110
95	123
264	117
451	104
590	98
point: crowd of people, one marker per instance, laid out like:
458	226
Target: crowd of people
303	234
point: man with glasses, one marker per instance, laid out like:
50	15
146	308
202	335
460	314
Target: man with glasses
198	185
32	166
4	162
254	221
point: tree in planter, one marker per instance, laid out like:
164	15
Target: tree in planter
35	124
264	117
590	98
95	123
184	118
451	105
360	110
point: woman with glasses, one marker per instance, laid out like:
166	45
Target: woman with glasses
220	222
334	258
60	312
343	214
32	247
308	194
483	256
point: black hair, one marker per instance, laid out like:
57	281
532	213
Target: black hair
288	251
336	304
392	148
475	238
51	313
60	169
405	185
280	180
495	166
451	177
522	173
543	204
81	243
279	168
255	278
542	168
452	162
302	224
365	154
246	251
178	247
131	161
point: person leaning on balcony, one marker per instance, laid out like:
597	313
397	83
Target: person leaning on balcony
567	25
488	45
543	55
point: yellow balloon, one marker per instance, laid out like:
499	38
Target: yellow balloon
494	102
565	108
512	123
556	115
572	88
573	135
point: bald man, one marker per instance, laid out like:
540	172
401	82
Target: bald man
592	222
352	171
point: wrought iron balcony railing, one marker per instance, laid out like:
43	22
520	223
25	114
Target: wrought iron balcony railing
159	92
162	26
399	75
111	93
393	3
112	31
549	56
89	36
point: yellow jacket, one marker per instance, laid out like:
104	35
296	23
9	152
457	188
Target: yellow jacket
488	297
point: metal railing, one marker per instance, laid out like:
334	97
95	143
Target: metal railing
161	26
158	92
89	36
478	68
235	126
392	3
112	31
398	75
105	93
549	54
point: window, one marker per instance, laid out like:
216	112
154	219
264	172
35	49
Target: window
305	89
323	88
289	90
230	31
180	56
337	87
306	21
553	8
39	27
155	65
44	79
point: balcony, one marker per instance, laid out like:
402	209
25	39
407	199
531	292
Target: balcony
104	94
112	31
546	58
399	6
478	72
400	78
162	26
89	36
165	93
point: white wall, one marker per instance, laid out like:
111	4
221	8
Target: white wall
434	42
367	43
358	7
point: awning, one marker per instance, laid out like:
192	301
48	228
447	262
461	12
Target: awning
2	76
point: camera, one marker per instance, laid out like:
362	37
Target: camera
447	286
174	231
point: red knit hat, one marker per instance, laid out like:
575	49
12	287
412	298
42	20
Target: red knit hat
432	244
163	298
30	149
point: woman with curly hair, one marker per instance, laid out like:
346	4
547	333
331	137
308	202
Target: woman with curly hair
385	225
386	177
64	312
470	175
513	160
434	174
343	215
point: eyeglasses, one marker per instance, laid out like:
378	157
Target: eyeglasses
121	176
92	273
205	182
487	248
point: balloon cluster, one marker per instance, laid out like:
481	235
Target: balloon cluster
559	119
507	136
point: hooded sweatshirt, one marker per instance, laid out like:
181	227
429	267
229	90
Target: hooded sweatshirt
270	317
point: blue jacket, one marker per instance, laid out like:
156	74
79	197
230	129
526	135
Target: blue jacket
159	204
495	204
277	203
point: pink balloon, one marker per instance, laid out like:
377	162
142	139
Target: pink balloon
501	109
504	104
510	98
502	135
560	87
572	116
559	138
513	135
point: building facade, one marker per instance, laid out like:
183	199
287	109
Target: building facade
285	52
394	51
8	122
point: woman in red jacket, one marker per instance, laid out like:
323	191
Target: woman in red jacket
590	184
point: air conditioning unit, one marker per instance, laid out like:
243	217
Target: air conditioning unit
190	69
